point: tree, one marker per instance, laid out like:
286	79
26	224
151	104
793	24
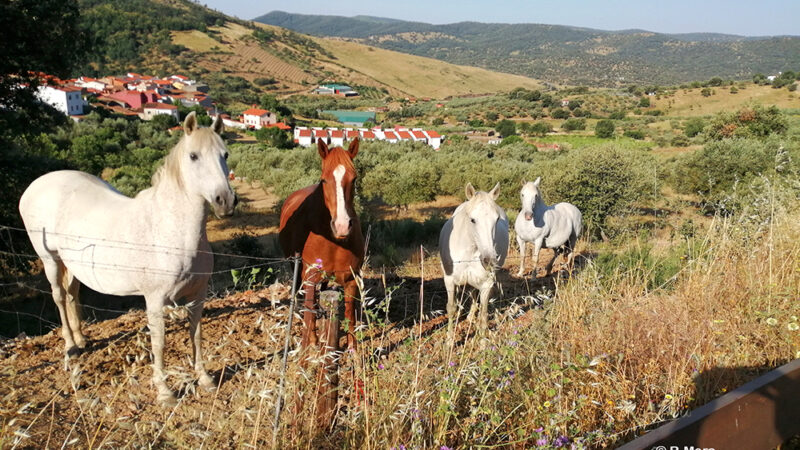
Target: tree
274	137
541	128
748	122
604	128
33	33
694	127
559	113
506	128
574	124
644	102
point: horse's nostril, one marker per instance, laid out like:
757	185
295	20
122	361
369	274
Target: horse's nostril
218	200
350	223
235	200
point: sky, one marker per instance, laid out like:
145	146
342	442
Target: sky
741	17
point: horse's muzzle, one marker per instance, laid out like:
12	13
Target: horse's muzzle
224	205
341	228
528	216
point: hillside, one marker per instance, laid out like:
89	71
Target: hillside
571	55
164	36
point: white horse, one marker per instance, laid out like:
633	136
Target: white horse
472	244
153	245
557	227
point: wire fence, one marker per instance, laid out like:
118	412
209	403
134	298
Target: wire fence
81	248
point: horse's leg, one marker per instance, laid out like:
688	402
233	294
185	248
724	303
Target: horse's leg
573	239
155	323
521	244
537	247
73	307
350	291
450	285
483	314
195	316
54	270
549	267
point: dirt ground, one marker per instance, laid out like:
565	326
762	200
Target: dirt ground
242	331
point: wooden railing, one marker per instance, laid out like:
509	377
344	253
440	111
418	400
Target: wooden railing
761	414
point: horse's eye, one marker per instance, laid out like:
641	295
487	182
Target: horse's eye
193	156
225	156
472	219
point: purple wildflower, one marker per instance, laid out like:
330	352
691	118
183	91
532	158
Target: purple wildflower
444	447
380	366
452	363
539	430
561	441
541	442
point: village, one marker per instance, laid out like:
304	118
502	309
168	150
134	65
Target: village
145	97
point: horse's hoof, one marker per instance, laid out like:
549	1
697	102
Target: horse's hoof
167	400
74	352
207	383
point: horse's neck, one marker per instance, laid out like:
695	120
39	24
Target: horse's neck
539	206
178	216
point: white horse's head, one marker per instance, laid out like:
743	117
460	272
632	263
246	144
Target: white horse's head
201	165
482	215
529	194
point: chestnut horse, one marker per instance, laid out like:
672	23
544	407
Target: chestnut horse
320	223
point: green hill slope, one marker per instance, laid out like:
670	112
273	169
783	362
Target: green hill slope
565	54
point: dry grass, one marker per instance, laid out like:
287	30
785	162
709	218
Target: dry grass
691	103
421	77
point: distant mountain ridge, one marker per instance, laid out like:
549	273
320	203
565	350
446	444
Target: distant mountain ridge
563	54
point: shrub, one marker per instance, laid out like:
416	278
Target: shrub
748	122
604	129
680	141
634	134
574	124
559	113
694	127
506	128
714	170
540	128
602	181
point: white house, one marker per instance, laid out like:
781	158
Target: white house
434	139
68	100
150	110
91	83
337	138
258	118
303	137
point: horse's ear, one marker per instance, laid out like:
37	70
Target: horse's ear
469	191
538	180
353	148
218	126
522	182
190	124
322	148
495	192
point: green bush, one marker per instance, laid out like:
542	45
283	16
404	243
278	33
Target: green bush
694	127
714	170
574	124
634	134
748	122
604	128
602	181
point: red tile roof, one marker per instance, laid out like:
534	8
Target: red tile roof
404	135
432	134
320	133
304	133
418	134
159	106
280	125
255	112
390	135
337	133
352	134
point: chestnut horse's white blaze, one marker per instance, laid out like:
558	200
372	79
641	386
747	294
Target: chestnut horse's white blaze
342	220
153	245
557	226
472	244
